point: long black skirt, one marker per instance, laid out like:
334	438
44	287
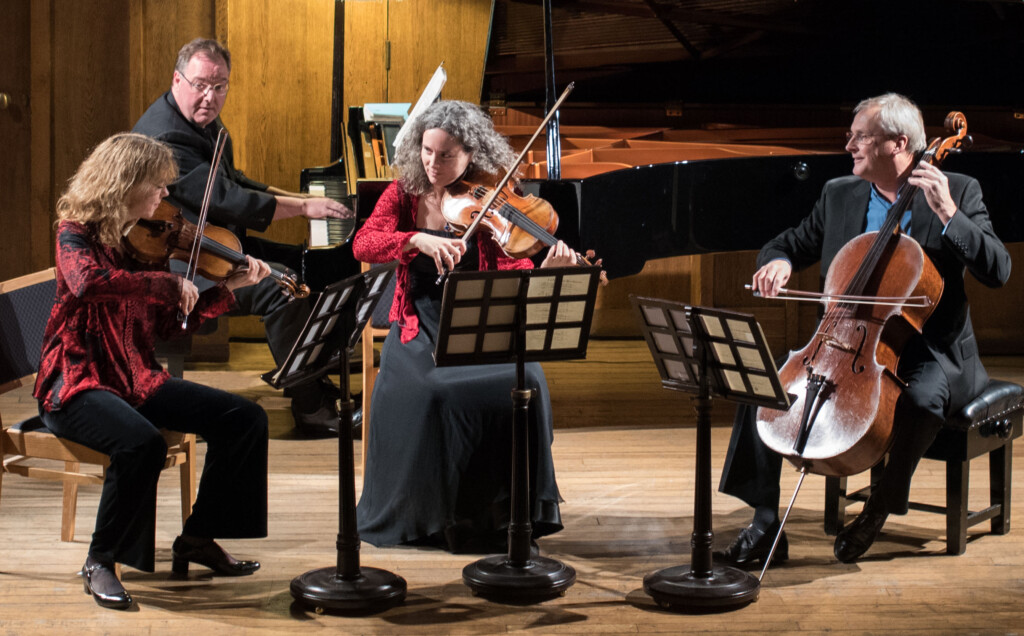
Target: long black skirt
439	460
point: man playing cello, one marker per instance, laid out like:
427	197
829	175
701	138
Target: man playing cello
941	366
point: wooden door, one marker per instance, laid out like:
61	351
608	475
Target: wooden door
16	141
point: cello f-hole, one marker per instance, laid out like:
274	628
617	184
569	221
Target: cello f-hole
860	349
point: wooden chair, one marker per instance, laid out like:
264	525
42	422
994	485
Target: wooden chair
29	448
988	425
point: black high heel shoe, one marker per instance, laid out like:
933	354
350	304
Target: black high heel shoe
210	555
753	544
100	580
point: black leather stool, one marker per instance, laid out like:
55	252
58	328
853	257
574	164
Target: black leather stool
988	424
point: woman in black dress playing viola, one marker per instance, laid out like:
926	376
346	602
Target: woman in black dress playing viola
438	460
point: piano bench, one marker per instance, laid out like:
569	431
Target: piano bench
987	425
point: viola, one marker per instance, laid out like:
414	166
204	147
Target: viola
521	225
169	235
845	378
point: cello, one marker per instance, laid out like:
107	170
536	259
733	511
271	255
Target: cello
844	380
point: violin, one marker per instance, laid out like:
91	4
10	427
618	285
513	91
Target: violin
169	235
520	224
844	379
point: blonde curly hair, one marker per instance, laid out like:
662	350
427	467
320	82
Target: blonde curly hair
98	193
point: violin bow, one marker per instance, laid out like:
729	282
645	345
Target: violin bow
511	171
471	228
193	259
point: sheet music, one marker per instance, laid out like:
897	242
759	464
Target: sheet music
427	97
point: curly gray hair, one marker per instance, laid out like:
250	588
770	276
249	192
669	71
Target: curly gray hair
491	152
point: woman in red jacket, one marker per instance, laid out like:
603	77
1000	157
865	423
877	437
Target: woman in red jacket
100	385
438	462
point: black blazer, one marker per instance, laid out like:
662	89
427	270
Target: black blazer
237	202
969	244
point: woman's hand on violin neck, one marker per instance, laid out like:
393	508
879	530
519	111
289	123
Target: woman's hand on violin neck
772	277
446	252
189	296
560	255
254	271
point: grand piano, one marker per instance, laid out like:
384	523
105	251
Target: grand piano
708	126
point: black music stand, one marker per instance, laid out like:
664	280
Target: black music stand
708	352
325	344
517	316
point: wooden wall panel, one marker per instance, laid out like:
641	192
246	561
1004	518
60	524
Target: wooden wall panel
423	34
996	312
278	109
158	31
365	73
16	142
90	80
41	206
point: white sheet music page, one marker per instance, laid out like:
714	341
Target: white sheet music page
429	95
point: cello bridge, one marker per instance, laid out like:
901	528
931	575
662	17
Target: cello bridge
835	344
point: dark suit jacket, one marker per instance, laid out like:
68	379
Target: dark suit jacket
237	202
969	244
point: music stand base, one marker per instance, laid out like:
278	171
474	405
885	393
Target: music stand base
679	588
496	577
373	590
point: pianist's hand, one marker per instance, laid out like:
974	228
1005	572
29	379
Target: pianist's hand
323	208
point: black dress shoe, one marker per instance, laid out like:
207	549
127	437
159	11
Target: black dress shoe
322	422
855	539
211	555
357	423
753	544
100	580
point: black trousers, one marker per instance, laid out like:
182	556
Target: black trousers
283	317
752	470
232	497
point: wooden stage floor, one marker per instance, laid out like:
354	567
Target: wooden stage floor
628	512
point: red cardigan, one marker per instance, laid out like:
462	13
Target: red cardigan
107	314
389	228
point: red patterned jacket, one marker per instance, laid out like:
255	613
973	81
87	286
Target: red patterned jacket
107	314
389	228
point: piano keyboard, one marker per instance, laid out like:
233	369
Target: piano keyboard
324	233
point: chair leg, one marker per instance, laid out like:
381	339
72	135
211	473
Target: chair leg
369	377
957	476
1000	469
188	478
69	505
835	504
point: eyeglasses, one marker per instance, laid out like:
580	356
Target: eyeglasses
860	138
202	87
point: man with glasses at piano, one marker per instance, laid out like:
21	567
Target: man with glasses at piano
187	119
